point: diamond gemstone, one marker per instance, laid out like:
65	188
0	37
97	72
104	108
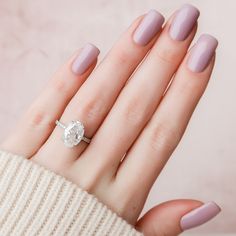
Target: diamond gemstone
73	133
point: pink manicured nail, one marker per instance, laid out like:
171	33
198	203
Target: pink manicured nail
148	28
199	215
202	53
183	22
85	59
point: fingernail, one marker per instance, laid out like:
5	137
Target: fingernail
183	22
85	59
202	53
199	215
148	27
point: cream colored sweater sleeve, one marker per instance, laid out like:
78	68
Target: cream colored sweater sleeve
36	201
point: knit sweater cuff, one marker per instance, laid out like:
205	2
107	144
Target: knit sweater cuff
36	201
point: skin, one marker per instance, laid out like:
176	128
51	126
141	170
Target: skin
104	101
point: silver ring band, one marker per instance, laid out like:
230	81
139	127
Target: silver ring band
73	133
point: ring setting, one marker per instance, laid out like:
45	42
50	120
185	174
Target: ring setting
73	133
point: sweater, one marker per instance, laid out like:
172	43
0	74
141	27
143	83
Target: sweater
36	201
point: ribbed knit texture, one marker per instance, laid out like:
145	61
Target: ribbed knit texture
36	201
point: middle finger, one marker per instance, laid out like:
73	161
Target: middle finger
140	98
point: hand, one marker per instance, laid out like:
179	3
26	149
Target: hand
135	120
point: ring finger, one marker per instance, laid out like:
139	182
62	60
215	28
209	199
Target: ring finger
95	98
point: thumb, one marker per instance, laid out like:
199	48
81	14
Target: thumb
173	217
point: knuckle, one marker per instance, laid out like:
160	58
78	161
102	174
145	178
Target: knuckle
93	109
191	87
164	137
60	85
122	57
168	55
36	118
133	114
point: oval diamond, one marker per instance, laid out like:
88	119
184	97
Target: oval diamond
73	133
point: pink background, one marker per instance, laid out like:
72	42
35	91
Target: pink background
37	36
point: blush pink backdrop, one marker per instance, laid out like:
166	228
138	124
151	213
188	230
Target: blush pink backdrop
37	36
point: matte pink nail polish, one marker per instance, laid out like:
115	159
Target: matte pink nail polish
199	215
85	59
148	27
202	53
183	22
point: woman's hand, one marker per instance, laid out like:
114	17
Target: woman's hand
134	111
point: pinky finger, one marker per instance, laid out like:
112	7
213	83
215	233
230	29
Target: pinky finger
39	120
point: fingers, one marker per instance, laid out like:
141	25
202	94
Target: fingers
139	99
173	217
162	134
94	100
39	120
